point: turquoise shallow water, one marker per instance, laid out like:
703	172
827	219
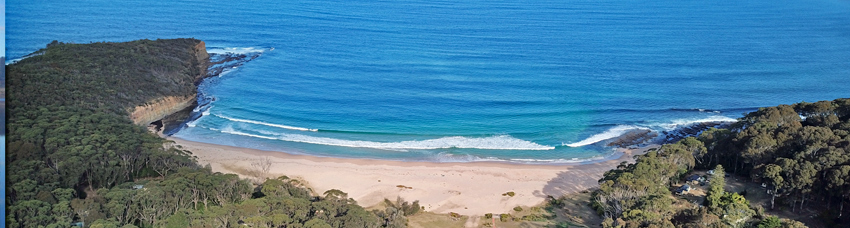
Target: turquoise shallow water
536	81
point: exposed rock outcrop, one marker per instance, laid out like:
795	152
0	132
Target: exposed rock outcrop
160	108
201	61
633	137
693	130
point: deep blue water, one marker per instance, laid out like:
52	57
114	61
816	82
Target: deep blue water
473	80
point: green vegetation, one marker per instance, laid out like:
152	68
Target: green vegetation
511	194
406	208
770	222
103	77
504	217
75	156
801	151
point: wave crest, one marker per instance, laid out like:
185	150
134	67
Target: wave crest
687	122
266	124
234	50
621	130
608	134
500	142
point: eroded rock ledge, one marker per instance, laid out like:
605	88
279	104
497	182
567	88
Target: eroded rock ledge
160	108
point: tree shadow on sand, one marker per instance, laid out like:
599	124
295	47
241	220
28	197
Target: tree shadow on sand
575	206
570	181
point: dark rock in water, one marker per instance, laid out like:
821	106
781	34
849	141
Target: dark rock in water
641	136
633	137
692	130
219	63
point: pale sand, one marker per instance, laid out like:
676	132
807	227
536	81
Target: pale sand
472	188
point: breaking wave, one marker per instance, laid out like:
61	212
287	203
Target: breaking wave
609	134
193	123
460	158
234	50
620	130
500	142
266	124
686	122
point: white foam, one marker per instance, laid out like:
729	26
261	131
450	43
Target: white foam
206	112
667	126
501	142
194	123
206	109
234	132
266	124
446	157
608	134
685	122
551	161
224	72
12	61
234	50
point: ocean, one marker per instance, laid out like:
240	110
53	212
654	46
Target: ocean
458	81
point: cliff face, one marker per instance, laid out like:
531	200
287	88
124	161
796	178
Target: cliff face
201	61
160	108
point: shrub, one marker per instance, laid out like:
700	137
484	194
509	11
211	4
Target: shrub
517	208
534	217
504	217
406	207
488	215
511	194
770	222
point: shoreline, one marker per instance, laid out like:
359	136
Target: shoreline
466	188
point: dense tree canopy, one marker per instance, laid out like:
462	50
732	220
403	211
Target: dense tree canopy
68	133
801	152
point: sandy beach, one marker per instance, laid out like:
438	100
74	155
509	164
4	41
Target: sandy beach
472	188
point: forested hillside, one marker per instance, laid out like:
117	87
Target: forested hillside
74	156
800	152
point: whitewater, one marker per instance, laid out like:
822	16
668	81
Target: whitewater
456	81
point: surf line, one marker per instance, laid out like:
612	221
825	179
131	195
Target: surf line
608	134
488	143
266	124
